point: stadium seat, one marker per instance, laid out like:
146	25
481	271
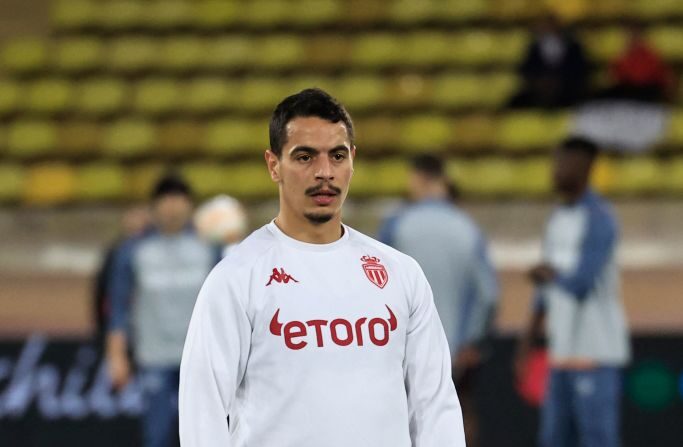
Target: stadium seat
264	14
168	14
487	177
656	9
133	54
673	176
49	184
28	139
49	96
209	95
424	133
74	14
78	54
119	15
408	90
507	10
456	90
327	51
235	136
316	14
11	182
24	55
477	47
426	49
363	12
473	132
603	175
248	180
533	177
374	178
101	96
180	137
360	93
412	12
262	94
376	133
129	138
215	14
463	10
11	96
378	50
99	182
674	135
668	40
280	51
156	96
228	52
79	138
303	82
140	179
497	88
182	54
638	175
605	44
523	131
207	178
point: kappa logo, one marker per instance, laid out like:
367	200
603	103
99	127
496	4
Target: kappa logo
375	271
280	277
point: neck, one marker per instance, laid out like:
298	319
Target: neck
301	229
433	191
572	197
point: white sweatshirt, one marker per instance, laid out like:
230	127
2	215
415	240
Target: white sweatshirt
317	345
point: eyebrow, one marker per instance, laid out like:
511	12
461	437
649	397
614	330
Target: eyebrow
313	151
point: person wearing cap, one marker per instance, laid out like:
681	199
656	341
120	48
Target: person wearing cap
155	278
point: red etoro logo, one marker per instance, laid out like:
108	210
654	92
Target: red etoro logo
280	276
375	271
294	332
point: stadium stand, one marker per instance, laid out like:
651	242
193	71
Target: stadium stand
122	88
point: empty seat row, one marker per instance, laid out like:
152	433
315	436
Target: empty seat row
153	95
116	15
56	183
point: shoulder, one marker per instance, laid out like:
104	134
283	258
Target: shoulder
244	255
600	213
388	255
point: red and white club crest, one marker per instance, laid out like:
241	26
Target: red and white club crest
375	271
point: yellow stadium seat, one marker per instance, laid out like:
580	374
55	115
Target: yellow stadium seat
515	9
157	96
385	178
49	96
101	96
476	47
168	14
263	14
74	14
673	176
605	44
486	177
76	138
11	96
473	132
209	95
78	54
132	54
533	177
413	11
497	88
31	138
300	83
317	13
376	133
248	180
360	93
456	90
49	184
99	181
24	55
140	180
655	9
120	15
215	14
427	48
674	135
180	137
523	131
638	175
364	12
408	90
182	54
378	50
236	136
11	182
207	179
281	51
461	10
262	94
668	40
228	52
327	51
129	138
603	175
425	133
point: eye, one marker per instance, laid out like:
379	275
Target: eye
339	156
304	158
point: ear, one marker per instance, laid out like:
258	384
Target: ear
273	164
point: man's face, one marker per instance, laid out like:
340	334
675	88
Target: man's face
315	168
571	171
172	212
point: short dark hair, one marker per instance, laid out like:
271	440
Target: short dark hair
171	183
580	144
308	102
429	164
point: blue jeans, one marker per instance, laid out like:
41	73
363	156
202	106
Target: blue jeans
160	419
581	408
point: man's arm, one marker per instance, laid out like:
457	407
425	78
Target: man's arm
435	418
213	364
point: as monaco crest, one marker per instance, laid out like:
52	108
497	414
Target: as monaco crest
375	271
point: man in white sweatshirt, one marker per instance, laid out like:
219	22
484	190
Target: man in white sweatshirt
309	333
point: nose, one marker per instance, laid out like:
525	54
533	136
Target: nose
323	171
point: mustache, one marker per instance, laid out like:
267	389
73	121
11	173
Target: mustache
316	189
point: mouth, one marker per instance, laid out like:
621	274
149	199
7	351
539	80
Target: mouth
323	197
